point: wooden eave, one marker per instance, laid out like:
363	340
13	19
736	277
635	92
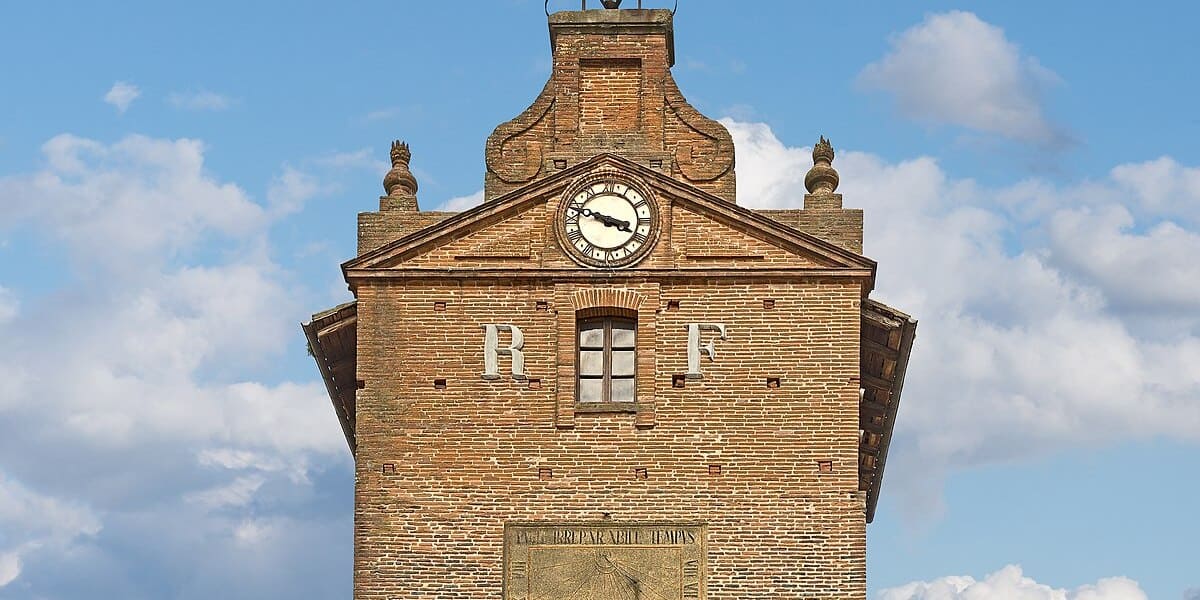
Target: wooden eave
333	343
887	337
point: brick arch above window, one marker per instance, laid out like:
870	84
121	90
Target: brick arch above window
610	298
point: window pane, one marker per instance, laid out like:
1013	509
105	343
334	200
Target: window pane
622	390
591	390
623	334
622	363
591	362
591	335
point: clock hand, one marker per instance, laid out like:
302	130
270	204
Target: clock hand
613	222
603	218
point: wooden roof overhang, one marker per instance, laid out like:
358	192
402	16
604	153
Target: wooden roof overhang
886	342
333	343
887	338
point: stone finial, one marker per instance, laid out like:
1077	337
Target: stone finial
400	181
822	178
611	4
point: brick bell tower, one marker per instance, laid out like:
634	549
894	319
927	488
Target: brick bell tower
610	381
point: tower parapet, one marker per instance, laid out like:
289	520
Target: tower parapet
611	91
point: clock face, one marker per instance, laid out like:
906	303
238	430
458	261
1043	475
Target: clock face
608	222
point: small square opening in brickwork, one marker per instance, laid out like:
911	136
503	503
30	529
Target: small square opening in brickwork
678	381
360	384
560	163
714	470
439	306
656	163
825	466
542	305
672	305
773	383
641	473
389	469
439	384
535	384
768	304
545	473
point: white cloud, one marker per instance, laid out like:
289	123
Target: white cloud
238	492
199	100
10	568
291	190
151	343
143	369
954	68
143	324
769	174
462	203
1162	186
1154	270
44	517
252	532
33	522
238	459
9	306
1076	338
121	95
140	199
1010	583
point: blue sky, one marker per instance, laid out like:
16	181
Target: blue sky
178	183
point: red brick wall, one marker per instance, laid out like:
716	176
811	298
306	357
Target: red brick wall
466	458
609	95
611	90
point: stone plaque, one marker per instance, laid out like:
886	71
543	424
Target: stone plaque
604	561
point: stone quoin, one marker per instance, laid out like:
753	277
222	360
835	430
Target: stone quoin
611	380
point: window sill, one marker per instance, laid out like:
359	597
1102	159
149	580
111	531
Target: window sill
606	407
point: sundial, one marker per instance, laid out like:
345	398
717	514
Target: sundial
604	562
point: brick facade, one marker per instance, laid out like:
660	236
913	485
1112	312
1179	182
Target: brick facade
762	454
467	458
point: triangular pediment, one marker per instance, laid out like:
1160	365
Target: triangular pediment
699	231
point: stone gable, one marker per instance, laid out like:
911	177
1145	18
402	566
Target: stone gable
698	231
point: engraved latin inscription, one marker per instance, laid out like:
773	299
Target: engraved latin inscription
604	562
